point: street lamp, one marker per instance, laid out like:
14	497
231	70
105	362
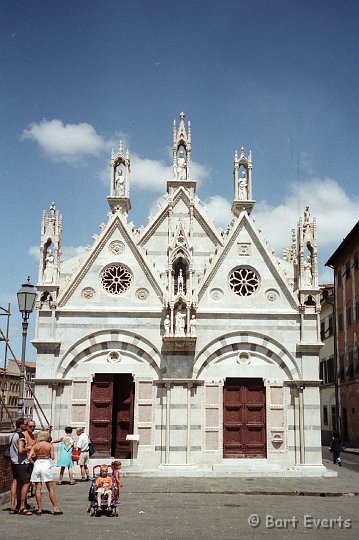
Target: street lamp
26	299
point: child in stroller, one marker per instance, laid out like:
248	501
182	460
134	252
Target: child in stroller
102	495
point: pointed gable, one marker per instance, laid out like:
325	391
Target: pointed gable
245	275
114	265
201	235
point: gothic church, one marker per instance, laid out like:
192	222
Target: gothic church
178	346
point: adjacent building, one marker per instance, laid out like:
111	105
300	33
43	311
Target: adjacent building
10	390
327	370
179	345
345	263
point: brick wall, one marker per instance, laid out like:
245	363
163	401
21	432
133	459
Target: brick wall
5	471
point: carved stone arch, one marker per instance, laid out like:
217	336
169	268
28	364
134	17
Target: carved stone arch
180	253
48	244
180	263
255	342
89	345
182	146
46	296
309	300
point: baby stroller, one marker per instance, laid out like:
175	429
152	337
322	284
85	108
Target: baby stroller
93	508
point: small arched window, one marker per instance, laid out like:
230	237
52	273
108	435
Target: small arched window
180	271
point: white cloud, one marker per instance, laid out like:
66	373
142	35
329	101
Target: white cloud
67	252
152	174
104	175
199	172
66	142
219	209
34	251
336	213
149	174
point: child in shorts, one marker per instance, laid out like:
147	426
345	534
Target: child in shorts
104	486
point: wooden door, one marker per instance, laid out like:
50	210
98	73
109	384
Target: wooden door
123	393
101	413
244	413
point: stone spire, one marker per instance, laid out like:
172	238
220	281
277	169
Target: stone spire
181	152
50	253
119	198
242	176
307	262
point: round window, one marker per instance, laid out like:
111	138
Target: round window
243	281
116	279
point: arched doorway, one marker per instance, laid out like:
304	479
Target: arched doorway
111	415
244	418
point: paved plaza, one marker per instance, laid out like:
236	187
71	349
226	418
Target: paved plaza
195	508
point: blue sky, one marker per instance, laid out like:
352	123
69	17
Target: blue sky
280	78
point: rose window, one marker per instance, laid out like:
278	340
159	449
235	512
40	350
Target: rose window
243	281
116	279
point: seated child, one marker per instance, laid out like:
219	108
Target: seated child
103	486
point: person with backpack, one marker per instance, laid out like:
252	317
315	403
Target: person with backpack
336	447
20	469
82	444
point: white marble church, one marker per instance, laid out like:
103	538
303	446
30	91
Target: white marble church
179	346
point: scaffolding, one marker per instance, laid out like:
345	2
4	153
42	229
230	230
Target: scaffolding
8	419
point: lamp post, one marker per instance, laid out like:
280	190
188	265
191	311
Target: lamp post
26	299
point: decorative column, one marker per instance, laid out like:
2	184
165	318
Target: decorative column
188	447
301	425
168	406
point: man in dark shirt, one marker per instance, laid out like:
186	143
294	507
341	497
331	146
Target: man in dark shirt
20	468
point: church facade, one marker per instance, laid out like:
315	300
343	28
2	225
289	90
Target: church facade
180	346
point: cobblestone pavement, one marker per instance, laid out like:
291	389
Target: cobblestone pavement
196	508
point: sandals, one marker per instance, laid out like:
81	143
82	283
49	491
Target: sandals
38	513
59	513
59	483
25	512
12	511
73	483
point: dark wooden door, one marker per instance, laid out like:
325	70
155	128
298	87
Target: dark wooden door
101	413
244	413
123	394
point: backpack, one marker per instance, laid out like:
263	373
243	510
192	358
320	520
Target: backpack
6	453
92	449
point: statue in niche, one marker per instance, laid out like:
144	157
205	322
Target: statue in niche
52	210
181	166
306	215
49	267
167	324
119	183
180	282
180	322
192	325
308	278
243	184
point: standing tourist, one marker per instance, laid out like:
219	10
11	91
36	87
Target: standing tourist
335	448
20	469
30	435
65	457
43	452
30	441
83	442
